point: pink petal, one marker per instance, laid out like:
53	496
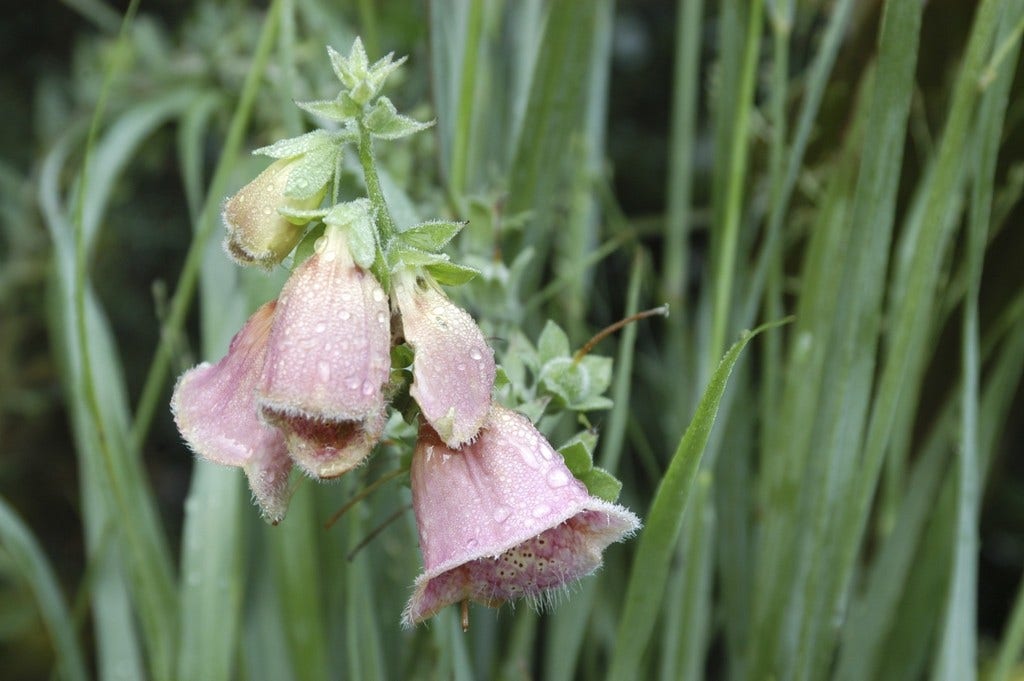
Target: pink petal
453	372
328	360
214	407
503	517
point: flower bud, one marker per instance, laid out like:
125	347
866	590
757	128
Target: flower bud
257	234
453	369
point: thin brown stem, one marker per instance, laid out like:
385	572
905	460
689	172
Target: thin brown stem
661	310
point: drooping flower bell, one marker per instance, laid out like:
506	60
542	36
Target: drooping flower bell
328	361
453	369
214	406
257	233
503	518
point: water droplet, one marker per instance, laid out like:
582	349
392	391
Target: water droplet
381	318
267	210
344	314
367	388
320	327
530	458
502	513
329	256
541	510
320	244
352	382
471	544
557	478
378	295
545	452
475	355
462	367
323	369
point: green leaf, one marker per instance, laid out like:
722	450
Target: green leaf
432	235
341	109
650	566
384	121
578	458
31	564
355	217
601	484
296	146
553	343
451	274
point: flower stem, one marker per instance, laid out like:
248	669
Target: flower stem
382	218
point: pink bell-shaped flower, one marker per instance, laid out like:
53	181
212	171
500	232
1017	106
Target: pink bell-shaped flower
257	233
453	369
503	518
328	361
214	406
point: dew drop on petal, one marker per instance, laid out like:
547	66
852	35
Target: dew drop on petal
378	295
541	510
344	314
557	478
368	388
475	355
323	369
502	513
353	382
321	327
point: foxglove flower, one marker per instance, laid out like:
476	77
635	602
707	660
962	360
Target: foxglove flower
214	407
328	361
257	233
503	518
453	369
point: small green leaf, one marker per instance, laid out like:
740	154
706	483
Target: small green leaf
451	274
399	255
602	484
578	458
553	343
432	235
342	109
300	216
296	146
384	121
599	373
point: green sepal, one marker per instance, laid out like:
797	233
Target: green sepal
305	247
352	69
451	274
356	218
296	146
312	172
432	235
601	484
300	216
384	121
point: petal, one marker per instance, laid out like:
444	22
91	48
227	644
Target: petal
327	449
328	353
453	371
215	409
503	517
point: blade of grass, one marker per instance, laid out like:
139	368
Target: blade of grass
664	521
1011	649
787	557
32	565
958	651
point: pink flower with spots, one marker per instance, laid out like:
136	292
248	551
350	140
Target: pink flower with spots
328	361
453	369
503	518
214	406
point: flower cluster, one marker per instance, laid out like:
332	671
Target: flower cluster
307	381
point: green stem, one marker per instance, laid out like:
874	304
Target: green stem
152	391
382	218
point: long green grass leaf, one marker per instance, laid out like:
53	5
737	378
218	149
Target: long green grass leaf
664	521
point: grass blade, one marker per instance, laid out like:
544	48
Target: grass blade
664	521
